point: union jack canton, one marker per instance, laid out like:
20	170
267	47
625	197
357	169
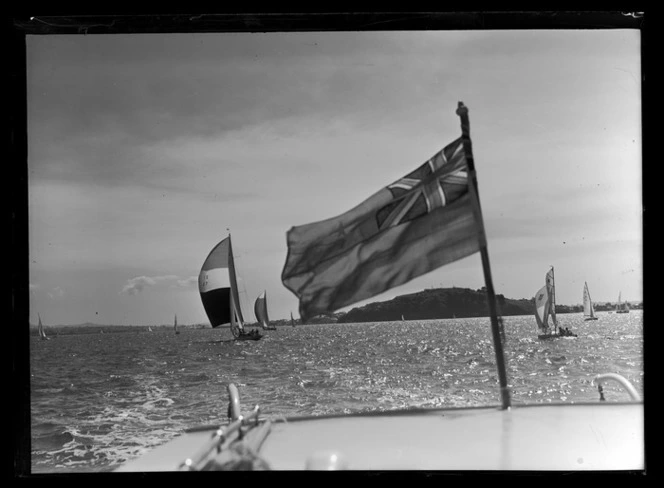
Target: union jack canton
438	182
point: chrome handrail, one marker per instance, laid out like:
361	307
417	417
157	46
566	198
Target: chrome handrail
234	412
601	378
220	435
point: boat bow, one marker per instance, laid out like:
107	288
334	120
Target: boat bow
586	436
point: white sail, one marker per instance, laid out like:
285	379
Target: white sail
588	308
542	308
621	307
260	309
42	333
545	304
551	286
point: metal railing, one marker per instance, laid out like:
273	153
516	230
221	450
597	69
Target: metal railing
602	378
223	433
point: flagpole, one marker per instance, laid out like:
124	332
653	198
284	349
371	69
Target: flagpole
462	112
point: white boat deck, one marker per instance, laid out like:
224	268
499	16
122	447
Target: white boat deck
603	436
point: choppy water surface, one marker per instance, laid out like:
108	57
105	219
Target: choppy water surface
98	400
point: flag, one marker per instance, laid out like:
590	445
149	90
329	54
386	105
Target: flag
413	226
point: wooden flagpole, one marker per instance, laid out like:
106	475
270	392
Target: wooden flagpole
496	324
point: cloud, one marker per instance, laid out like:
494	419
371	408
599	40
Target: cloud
98	106
56	293
139	283
187	282
136	285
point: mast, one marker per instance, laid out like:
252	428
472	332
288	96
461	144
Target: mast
236	312
236	321
496	324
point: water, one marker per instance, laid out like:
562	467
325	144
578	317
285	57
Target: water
98	400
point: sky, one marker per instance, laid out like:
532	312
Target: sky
144	150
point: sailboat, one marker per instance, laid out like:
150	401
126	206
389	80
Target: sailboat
217	284
292	320
149	329
588	308
42	334
557	436
621	307
175	325
545	308
260	309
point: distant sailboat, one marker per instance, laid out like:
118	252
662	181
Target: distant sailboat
545	307
402	319
588	308
149	329
292	320
260	309
175	325
42	334
621	307
217	284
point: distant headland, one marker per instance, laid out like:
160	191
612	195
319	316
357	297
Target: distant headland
434	303
447	303
437	303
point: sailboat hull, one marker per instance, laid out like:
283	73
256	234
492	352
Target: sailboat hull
554	336
590	318
249	338
593	436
